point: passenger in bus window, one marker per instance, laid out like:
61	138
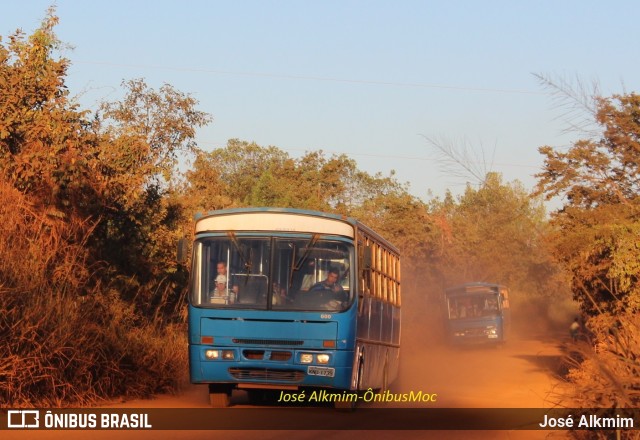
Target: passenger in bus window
279	295
221	268
221	294
490	307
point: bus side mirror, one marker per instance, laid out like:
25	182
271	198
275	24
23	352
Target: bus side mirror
183	251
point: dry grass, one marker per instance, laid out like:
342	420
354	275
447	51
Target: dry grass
604	369
66	338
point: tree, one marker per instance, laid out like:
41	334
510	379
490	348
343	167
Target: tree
134	165
154	127
494	233
598	227
89	241
245	174
43	135
597	239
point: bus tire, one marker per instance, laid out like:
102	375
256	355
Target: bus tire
219	400
385	374
256	397
219	396
352	403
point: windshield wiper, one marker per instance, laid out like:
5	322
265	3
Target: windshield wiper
297	265
245	261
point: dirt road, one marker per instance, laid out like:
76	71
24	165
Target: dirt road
521	374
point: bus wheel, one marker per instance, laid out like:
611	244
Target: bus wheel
256	397
262	397
352	402
360	374
385	376
219	396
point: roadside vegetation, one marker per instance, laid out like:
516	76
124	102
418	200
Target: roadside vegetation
92	302
596	239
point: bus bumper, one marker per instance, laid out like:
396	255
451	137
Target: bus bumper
270	367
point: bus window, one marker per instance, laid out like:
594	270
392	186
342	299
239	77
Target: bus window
312	276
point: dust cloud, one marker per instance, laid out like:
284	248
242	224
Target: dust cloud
523	373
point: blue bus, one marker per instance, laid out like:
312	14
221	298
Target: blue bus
290	300
477	312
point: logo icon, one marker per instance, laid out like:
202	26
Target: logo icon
23	418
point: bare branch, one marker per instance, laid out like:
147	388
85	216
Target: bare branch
577	103
461	160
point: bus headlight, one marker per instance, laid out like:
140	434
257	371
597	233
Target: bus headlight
323	358
306	358
491	330
212	354
228	355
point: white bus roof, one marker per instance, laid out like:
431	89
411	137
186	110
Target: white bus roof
284	220
274	219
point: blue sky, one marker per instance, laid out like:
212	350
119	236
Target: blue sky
370	79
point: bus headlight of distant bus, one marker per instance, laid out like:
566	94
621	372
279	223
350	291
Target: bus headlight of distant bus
491	330
306	358
323	358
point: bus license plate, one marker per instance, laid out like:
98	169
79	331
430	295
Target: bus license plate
321	371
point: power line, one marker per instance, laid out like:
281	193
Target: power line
315	78
377	156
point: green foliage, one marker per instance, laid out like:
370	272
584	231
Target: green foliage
152	127
245	174
495	233
598	226
597	239
90	233
42	134
226	177
64	338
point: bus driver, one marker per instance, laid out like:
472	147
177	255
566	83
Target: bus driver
330	284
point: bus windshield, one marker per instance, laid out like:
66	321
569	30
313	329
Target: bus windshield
272	273
473	306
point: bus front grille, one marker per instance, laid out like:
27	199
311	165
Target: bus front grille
259	355
266	341
266	374
282	356
475	332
